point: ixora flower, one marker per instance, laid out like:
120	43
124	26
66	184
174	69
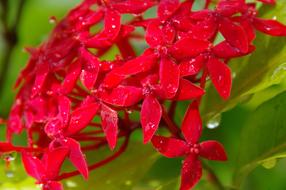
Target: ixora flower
74	100
190	148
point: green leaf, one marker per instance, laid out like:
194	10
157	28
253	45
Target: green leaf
263	138
264	68
122	173
163	175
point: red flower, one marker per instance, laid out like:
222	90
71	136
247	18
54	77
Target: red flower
191	149
69	93
45	170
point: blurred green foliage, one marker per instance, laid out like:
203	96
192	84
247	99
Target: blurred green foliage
250	125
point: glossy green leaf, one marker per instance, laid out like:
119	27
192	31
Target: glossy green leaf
263	138
264	68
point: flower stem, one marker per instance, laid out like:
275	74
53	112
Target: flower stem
212	177
10	38
173	128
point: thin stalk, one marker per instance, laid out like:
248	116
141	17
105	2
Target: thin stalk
173	128
10	38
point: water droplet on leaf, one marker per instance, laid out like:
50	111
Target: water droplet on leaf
71	184
214	122
270	163
128	182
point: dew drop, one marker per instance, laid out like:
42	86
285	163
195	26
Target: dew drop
269	164
150	126
52	20
129	111
128	182
71	184
9	173
39	186
233	75
214	122
154	183
279	72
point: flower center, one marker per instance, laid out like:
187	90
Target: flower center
194	148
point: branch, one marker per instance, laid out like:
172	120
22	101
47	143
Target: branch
213	178
10	37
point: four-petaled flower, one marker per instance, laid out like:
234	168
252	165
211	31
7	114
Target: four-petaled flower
190	148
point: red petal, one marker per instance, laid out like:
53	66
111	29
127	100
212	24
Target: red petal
169	33
53	185
133	6
140	64
90	19
109	120
151	113
53	161
191	66
230	7
192	124
166	8
191	172
169	77
6	147
41	75
189	47
249	29
29	118
225	50
77	157
33	166
90	69
81	117
271	27
71	77
188	90
113	79
220	75
64	105
112	25
54	127
15	124
123	96
154	34
272	2
169	147
213	150
234	34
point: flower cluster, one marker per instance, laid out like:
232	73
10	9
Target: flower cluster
71	100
